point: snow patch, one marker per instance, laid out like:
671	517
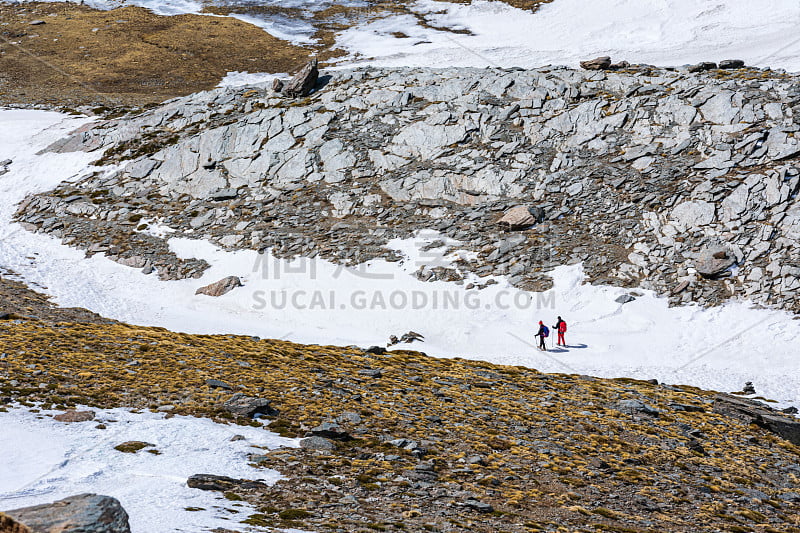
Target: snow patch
52	460
565	32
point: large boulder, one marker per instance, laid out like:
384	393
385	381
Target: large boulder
521	217
598	63
249	406
75	416
714	261
303	82
84	513
218	288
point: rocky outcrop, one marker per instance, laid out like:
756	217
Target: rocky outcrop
85	513
753	412
637	170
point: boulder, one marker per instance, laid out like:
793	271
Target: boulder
624	299
218	288
714	261
700	67
249	406
75	416
731	63
521	217
84	513
303	82
598	63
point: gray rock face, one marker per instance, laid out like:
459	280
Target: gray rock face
85	513
636	171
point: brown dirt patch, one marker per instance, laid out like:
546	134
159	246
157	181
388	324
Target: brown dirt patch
126	56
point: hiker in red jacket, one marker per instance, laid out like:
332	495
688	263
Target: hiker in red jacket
543	333
561	328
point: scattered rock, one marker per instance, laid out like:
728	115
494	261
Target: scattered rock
624	299
680	287
84	513
132	446
217	384
370	373
317	443
479	506
636	406
221	483
223	286
702	66
331	430
75	416
36	22
409	337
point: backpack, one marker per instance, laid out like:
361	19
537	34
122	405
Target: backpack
545	331
562	327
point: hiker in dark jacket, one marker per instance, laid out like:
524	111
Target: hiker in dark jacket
542	334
